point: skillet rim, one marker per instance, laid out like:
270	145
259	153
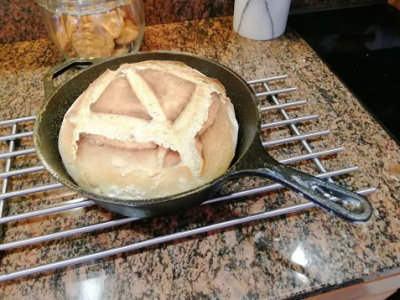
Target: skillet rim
137	203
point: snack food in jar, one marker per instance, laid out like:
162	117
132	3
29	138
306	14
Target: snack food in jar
94	28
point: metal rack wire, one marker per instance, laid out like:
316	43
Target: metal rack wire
274	96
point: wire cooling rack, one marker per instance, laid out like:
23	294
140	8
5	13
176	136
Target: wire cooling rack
17	149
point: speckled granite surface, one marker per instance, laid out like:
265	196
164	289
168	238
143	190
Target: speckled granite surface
283	257
21	20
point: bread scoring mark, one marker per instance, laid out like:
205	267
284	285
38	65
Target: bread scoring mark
171	158
173	92
212	112
101	141
166	157
124	100
145	95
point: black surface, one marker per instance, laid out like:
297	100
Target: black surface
362	47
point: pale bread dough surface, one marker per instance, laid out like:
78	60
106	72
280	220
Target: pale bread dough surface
148	130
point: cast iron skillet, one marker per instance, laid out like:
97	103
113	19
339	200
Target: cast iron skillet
250	159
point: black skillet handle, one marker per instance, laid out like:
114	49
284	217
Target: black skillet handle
355	208
49	87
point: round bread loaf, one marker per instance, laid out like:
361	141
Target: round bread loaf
148	130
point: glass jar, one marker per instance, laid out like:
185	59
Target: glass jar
94	28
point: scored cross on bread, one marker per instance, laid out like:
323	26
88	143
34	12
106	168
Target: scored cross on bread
148	130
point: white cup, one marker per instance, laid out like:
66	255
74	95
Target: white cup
260	19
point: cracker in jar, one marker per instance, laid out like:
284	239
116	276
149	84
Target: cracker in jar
71	25
92	41
112	22
60	33
128	35
121	11
121	51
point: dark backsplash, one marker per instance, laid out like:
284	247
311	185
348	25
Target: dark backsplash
21	20
299	6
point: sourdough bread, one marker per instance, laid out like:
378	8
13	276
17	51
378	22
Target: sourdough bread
148	130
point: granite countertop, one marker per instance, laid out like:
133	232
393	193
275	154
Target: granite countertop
292	255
